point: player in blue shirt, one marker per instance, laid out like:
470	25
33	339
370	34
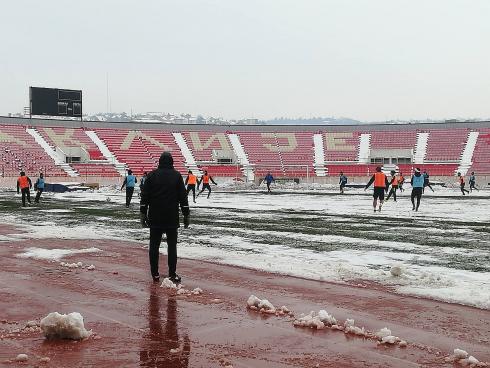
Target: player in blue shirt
130	182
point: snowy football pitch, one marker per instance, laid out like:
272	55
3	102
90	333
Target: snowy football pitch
443	252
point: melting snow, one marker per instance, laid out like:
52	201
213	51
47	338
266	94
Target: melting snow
64	326
53	254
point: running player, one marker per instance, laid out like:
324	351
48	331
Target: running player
418	182
39	186
24	184
342	182
380	187
205	179
191	182
426	180
268	181
394	185
472	182
462	184
401	180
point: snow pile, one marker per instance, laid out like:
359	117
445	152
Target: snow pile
31	324
462	357
181	291
261	305
351	328
396	270
91	267
385	337
196	291
317	321
167	283
64	326
44	360
383	333
265	306
22	358
71	265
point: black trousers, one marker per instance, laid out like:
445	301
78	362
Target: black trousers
129	195
392	192
268	186
472	186
462	189
193	188
204	187
38	195
416	193
25	193
155	240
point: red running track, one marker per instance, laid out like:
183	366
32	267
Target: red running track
136	323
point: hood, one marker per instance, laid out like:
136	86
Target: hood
166	161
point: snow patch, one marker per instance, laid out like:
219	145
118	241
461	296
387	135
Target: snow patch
64	326
53	254
71	265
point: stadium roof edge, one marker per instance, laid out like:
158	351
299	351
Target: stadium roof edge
7	120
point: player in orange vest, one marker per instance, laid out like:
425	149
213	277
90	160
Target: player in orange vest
380	187
205	179
462	184
395	180
191	182
401	180
24	184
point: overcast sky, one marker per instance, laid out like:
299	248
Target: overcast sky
365	59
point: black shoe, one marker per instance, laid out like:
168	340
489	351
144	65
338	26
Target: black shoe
176	279
156	278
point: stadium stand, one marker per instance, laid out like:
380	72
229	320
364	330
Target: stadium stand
481	155
287	152
202	144
141	149
207	146
262	150
19	151
69	138
446	145
341	146
399	139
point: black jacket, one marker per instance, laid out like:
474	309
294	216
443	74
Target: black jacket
162	194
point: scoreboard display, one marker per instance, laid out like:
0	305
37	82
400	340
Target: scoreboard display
55	102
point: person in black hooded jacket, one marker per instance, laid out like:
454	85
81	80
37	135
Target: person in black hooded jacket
162	194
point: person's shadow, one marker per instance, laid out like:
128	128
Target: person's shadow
161	346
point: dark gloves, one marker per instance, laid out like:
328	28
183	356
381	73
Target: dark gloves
186	221
144	220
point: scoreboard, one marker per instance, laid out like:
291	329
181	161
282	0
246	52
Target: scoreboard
55	102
